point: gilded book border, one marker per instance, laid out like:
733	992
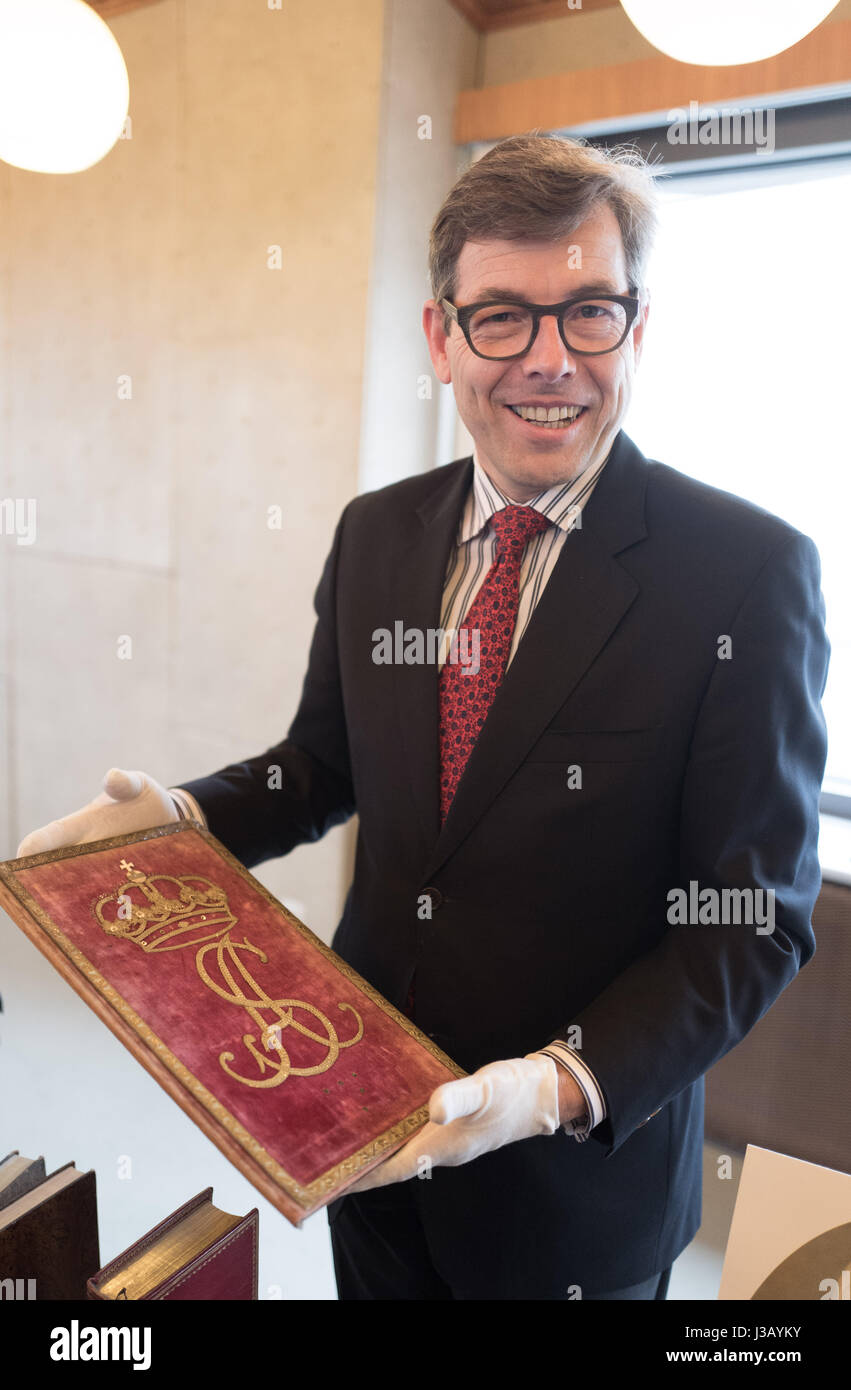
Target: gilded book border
308	1196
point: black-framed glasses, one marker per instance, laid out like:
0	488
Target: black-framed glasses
589	326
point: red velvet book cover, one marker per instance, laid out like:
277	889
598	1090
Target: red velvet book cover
296	1068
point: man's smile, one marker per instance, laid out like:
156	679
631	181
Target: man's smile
534	417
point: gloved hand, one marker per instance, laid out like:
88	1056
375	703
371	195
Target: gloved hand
129	801
499	1103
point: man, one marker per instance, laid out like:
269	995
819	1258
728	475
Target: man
641	723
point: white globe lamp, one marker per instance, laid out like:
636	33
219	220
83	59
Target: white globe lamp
64	91
725	32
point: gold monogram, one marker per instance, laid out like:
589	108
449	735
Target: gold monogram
162	913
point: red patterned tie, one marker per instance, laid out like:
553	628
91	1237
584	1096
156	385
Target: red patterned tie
465	698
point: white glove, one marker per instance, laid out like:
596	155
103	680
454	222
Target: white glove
129	801
498	1104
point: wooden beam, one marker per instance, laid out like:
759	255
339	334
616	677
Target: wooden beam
108	8
569	99
547	9
487	20
472	12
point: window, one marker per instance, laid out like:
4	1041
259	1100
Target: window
744	381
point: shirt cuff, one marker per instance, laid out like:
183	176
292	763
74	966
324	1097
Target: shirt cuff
585	1079
187	806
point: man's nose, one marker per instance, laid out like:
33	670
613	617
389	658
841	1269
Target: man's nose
548	355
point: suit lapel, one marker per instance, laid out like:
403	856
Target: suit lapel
585	598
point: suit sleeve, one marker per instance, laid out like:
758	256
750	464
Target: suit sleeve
749	819
299	788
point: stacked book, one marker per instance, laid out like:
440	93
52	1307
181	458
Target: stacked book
49	1244
48	1229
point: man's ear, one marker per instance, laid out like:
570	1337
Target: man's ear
436	339
640	325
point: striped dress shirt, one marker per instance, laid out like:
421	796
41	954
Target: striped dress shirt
475	548
469	562
474	553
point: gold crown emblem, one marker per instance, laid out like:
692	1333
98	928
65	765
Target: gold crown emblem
163	913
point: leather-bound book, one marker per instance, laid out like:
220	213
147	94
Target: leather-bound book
18	1175
287	1059
50	1235
199	1252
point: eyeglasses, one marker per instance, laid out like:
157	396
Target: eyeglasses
500	329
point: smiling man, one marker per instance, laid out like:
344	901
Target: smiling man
553	401
644	715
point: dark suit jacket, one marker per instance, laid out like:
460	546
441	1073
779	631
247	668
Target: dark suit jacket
550	902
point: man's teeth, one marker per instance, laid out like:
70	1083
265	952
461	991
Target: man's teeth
556	416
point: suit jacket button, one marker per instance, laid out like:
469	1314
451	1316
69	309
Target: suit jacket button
435	895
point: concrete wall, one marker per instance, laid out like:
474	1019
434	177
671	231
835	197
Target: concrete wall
251	128
430	55
248	132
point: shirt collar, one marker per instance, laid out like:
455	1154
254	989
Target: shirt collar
560	504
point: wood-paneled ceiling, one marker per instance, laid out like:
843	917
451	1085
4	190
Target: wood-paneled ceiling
487	15
107	8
